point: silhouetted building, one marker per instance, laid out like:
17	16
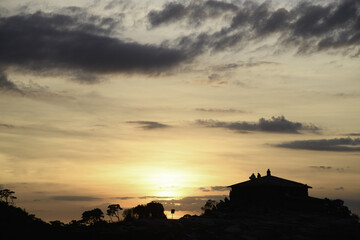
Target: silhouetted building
267	190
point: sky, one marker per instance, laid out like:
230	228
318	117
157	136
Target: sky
124	101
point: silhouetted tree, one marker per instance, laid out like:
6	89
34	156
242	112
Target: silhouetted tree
114	211
6	195
93	216
12	200
140	212
155	210
186	216
57	224
209	206
150	210
74	223
128	214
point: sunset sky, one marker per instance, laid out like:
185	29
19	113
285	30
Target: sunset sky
130	101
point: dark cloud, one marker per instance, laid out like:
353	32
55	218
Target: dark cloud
275	124
194	12
203	189
353	134
308	26
149	125
123	198
219	110
4	125
58	43
321	167
340	189
6	85
170	13
75	198
219	188
336	144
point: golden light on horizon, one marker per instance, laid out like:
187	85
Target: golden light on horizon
167	182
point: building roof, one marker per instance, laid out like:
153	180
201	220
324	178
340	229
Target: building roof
269	181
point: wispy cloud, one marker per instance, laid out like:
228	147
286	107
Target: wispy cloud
193	12
214	189
308	26
335	144
155	197
149	125
4	125
220	110
353	134
123	198
275	124
7	85
321	167
75	198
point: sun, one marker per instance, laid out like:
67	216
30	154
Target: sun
164	183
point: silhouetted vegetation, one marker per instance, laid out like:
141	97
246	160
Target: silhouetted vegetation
114	211
92	217
7	196
150	210
312	218
209	206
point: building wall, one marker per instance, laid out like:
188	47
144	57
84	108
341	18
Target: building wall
271	195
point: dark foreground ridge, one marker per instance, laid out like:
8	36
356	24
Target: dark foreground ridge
331	222
263	208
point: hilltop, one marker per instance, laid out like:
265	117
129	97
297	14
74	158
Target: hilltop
331	221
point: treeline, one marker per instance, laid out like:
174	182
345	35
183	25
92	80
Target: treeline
152	210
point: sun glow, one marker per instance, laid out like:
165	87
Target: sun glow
167	183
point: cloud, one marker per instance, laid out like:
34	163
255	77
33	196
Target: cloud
155	197
75	198
353	134
4	125
215	188
8	86
321	167
56	44
190	203
149	125
340	189
308	27
219	110
194	12
123	198
335	144
275	124
348	95
203	189
327	168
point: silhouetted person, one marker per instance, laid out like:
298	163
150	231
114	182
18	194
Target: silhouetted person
268	173
252	177
258	175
